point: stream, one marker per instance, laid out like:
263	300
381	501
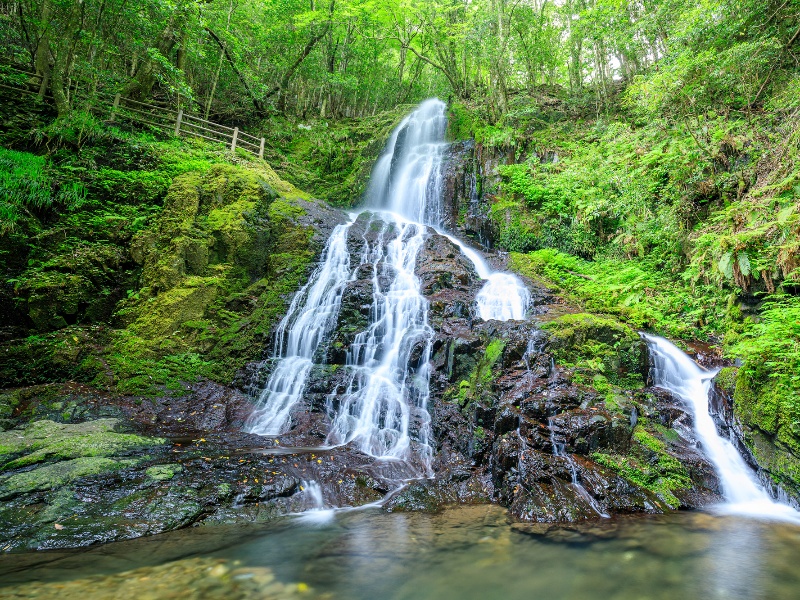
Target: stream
460	553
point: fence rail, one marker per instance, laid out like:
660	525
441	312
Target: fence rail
179	122
176	122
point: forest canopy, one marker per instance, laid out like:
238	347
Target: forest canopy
234	59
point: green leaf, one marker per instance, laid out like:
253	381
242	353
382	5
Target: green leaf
744	263
726	265
784	214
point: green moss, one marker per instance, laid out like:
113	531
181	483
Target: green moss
43	441
598	345
726	379
331	159
54	476
478	385
756	403
218	268
164	472
650	466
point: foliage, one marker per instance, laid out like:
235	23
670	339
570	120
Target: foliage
650	466
27	189
633	291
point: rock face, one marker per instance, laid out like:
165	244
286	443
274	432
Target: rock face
549	416
547	440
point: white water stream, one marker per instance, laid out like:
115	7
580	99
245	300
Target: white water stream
385	391
383	410
673	370
311	317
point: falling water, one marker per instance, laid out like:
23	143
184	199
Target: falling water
386	391
560	450
310	319
673	370
316	513
407	178
503	297
382	408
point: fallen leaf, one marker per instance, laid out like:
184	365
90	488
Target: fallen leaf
58	526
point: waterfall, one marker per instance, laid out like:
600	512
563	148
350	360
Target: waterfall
385	390
382	406
674	371
317	513
311	317
407	178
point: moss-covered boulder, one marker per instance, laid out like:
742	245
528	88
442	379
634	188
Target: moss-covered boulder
61	453
766	424
44	441
597	343
218	267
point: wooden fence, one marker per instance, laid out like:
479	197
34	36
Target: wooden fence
179	122
171	121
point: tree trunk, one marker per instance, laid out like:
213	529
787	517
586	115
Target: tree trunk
42	54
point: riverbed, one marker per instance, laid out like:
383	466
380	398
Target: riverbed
461	553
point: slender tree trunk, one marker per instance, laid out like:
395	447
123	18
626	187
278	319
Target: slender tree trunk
42	54
65	48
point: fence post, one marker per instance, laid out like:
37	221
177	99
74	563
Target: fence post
115	107
235	137
178	123
261	149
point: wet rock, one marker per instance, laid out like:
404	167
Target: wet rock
185	579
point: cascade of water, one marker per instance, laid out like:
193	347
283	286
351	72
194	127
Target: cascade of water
316	513
310	319
503	297
407	177
386	392
560	450
673	370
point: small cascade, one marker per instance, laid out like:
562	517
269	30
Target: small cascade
503	297
311	317
560	450
315	512
674	371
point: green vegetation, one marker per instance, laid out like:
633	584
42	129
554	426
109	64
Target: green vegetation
598	347
172	264
61	453
650	466
632	291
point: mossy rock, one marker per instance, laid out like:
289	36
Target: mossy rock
597	343
650	465
164	472
45	441
57	475
770	428
725	379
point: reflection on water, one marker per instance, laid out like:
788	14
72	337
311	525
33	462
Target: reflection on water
462	553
